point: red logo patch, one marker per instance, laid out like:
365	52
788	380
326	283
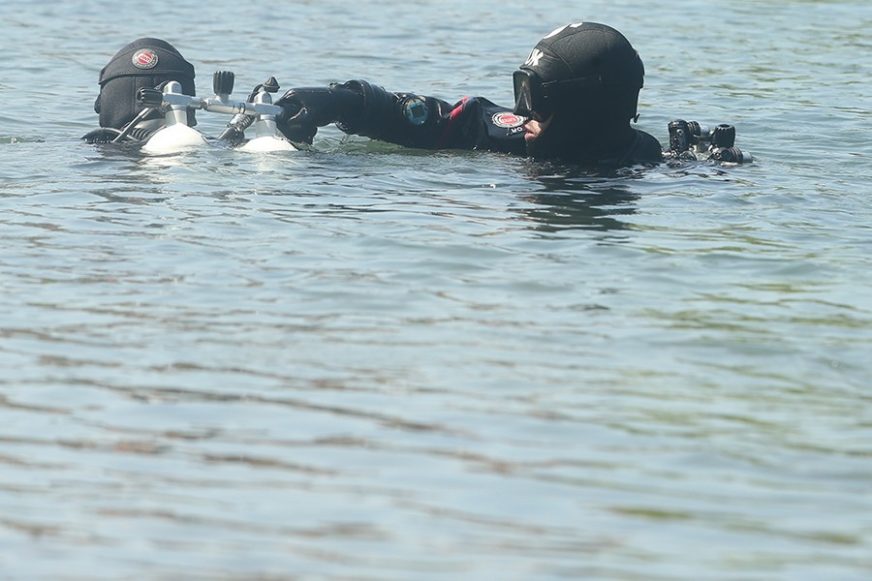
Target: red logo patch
508	120
144	59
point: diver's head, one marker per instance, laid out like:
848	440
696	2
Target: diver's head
144	63
587	76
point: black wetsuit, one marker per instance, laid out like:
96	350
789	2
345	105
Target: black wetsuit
471	123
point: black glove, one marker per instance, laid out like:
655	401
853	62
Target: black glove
102	135
306	109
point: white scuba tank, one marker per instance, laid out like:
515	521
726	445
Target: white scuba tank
174	138
267	137
177	135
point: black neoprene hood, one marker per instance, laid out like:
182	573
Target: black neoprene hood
607	67
144	63
587	49
166	60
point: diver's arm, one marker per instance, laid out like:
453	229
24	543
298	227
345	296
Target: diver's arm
361	108
403	118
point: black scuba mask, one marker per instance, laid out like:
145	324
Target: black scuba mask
528	88
537	99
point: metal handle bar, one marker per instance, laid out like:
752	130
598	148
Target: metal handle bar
216	104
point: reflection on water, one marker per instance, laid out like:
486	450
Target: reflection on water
573	198
365	362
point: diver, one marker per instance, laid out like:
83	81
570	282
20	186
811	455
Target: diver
575	96
145	63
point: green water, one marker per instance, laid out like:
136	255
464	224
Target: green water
373	363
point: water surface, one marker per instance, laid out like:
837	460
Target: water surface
369	362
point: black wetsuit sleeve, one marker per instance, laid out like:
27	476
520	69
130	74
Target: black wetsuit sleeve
643	149
427	122
646	149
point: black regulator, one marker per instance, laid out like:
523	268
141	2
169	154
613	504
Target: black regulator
688	141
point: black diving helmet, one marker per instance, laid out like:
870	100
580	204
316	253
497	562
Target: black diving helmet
145	63
582	70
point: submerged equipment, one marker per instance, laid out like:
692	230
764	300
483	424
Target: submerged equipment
147	94
688	139
166	110
177	106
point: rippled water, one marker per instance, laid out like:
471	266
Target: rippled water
369	362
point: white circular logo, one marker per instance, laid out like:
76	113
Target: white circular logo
508	120
144	59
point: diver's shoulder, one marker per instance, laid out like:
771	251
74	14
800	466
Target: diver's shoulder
646	147
648	143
